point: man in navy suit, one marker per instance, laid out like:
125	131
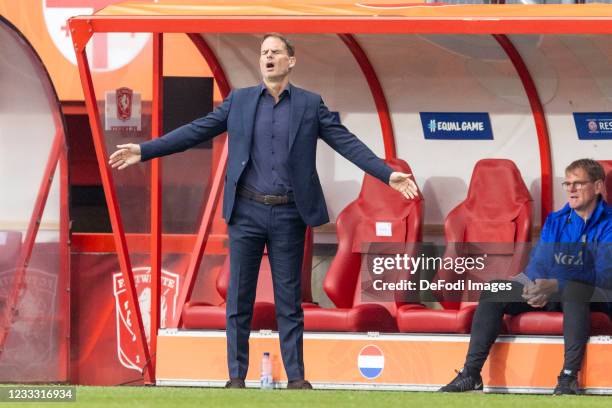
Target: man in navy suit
272	191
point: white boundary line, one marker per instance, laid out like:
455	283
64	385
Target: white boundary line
372	387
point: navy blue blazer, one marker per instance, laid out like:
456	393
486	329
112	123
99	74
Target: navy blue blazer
310	119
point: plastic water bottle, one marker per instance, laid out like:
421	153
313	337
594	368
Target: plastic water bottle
266	373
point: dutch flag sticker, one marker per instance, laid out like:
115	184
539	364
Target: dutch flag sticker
371	361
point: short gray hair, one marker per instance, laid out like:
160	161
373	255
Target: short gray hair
288	46
592	168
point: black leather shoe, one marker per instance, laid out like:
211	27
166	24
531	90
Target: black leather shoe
463	382
235	383
299	385
567	384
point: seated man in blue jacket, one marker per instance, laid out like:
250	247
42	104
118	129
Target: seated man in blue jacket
572	261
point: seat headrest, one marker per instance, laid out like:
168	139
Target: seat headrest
607	166
377	198
497	191
382	211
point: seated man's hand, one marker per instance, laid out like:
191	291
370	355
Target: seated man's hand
404	184
538	301
538	293
127	155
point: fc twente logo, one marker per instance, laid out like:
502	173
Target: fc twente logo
33	337
127	351
124	103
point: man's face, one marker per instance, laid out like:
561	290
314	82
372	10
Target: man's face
581	190
274	62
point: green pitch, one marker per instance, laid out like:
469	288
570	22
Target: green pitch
107	397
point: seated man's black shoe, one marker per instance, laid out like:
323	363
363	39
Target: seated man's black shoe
567	384
299	385
235	383
463	382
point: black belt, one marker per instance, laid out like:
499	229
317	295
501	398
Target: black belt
266	199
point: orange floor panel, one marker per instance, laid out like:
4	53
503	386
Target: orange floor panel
525	364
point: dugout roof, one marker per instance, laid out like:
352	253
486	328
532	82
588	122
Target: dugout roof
348	16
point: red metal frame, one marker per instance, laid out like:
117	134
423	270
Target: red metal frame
377	93
14	294
224	89
171	243
345	24
540	123
458	24
203	233
83	27
57	154
64	303
156	192
215	189
113	207
213	63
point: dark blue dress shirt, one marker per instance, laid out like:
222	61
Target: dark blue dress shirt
267	171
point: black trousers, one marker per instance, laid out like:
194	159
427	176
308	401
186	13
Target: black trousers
487	323
281	229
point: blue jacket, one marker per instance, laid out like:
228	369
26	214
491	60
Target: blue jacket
310	119
572	249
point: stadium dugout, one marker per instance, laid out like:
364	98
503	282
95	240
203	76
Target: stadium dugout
382	66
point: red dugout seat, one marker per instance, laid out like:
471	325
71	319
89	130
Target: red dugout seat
496	212
198	315
356	226
607	165
551	323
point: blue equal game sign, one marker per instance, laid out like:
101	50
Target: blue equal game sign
456	125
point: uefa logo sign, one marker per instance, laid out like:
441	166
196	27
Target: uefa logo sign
106	52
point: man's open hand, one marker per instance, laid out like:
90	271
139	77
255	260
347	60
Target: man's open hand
127	155
404	184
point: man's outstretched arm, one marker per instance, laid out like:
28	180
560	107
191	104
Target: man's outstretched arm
178	140
349	146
